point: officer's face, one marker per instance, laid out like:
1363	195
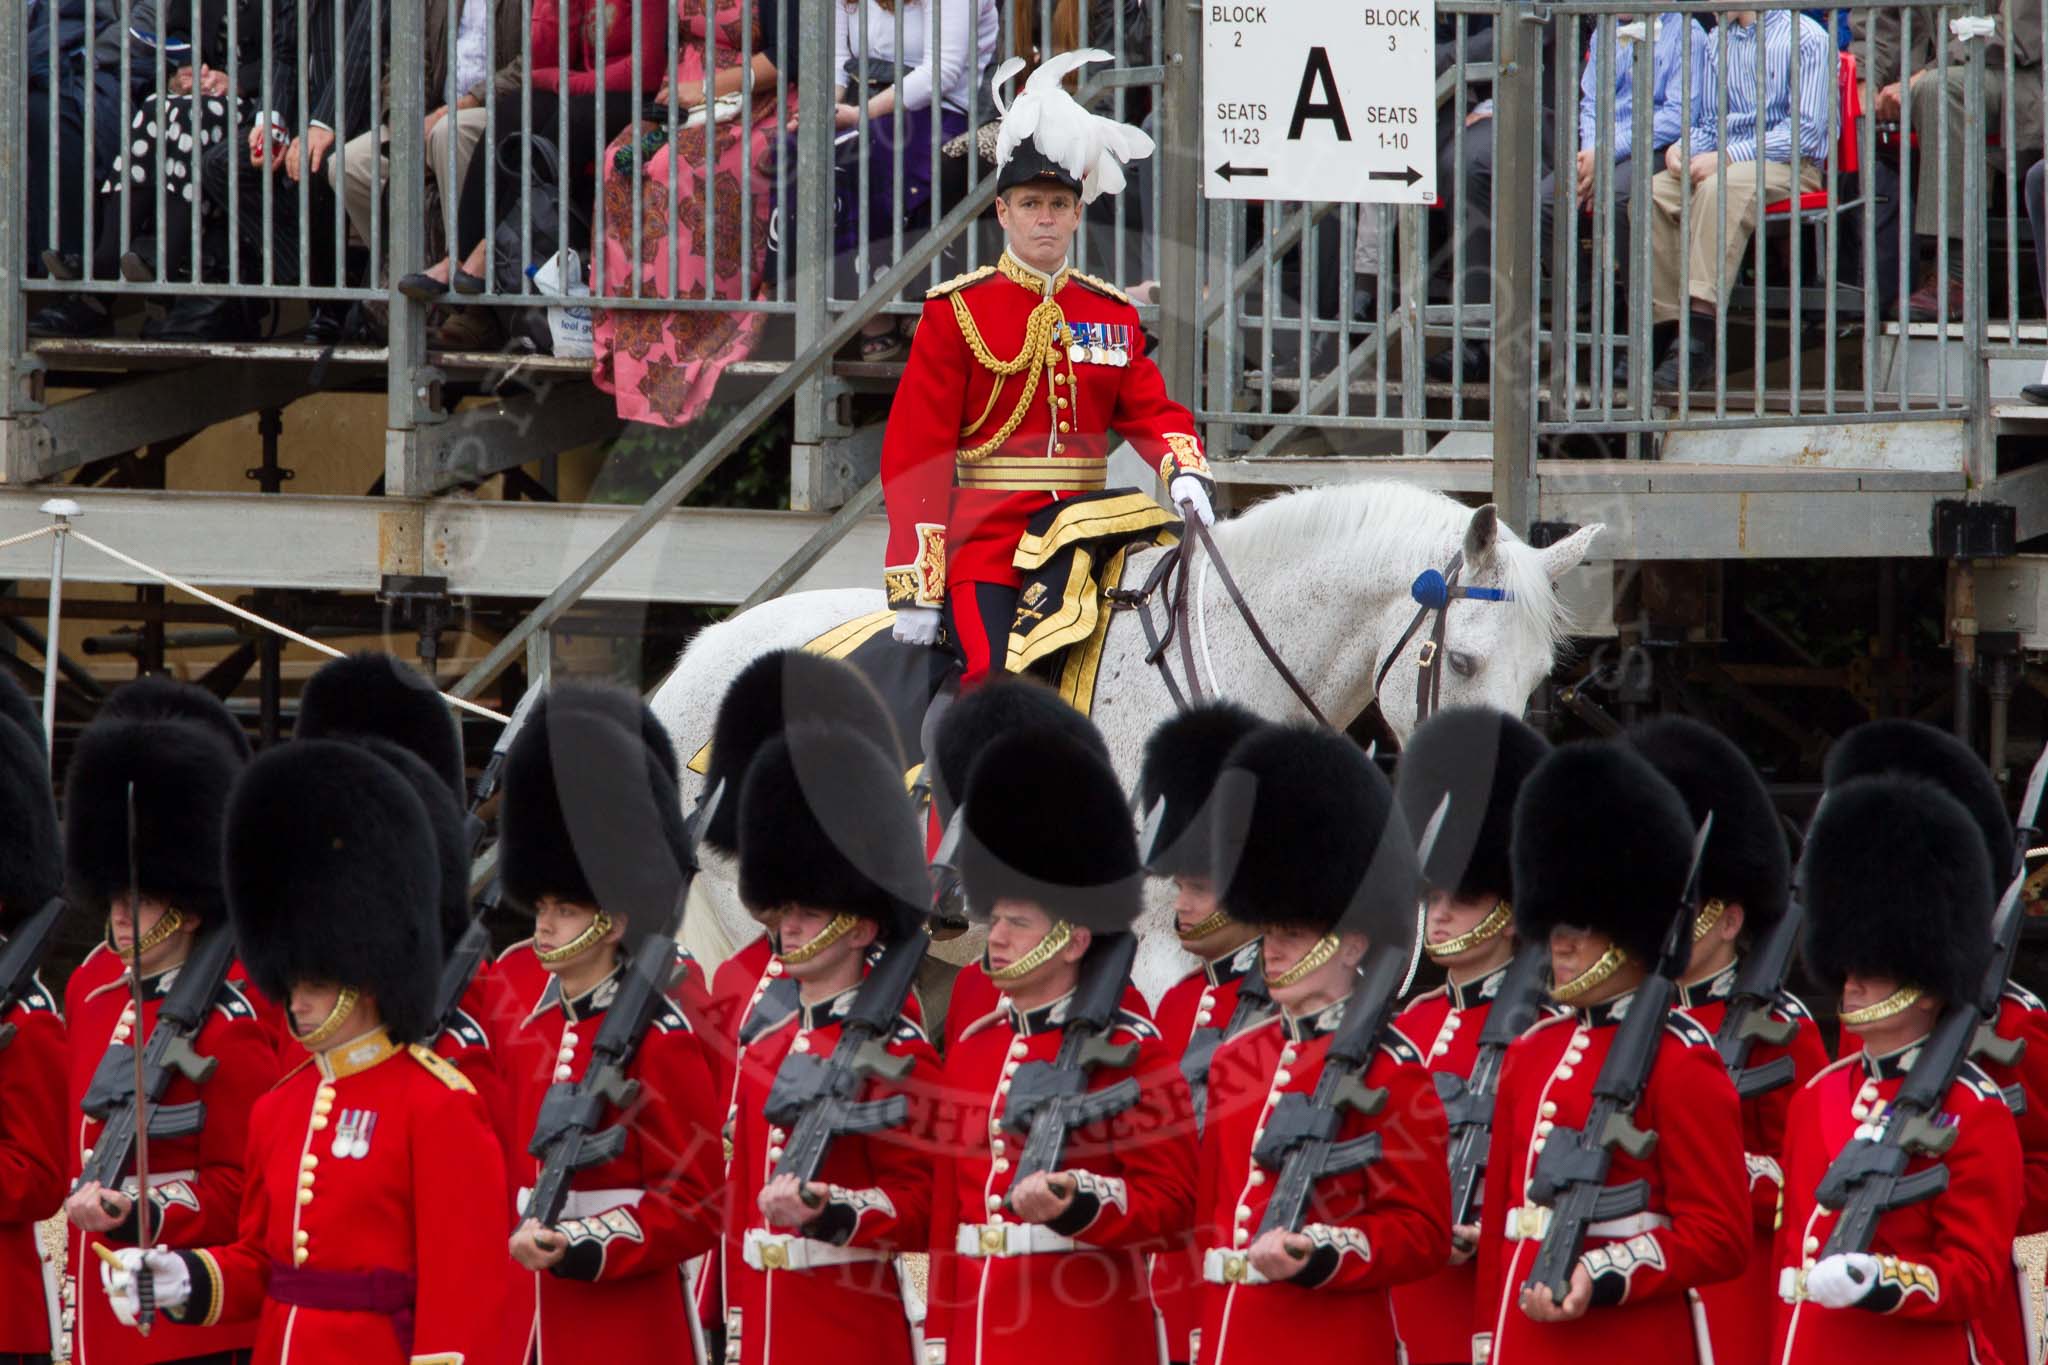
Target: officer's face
1040	222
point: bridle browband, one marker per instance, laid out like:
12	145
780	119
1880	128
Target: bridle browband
1433	591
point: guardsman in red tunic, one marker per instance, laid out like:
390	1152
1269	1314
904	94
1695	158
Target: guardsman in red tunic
32	1054
1019	372
1911	749
1600	853
1056	1260
1479	758
181	768
1327	870
1895	889
1745	886
827	834
372	1224
1224	994
593	844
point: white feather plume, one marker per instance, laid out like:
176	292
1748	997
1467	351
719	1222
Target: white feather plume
1089	147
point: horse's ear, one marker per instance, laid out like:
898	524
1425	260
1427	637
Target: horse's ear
1566	553
1480	536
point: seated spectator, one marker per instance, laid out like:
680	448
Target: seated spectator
1721	177
598	95
662	364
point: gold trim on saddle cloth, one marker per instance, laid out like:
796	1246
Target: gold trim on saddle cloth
836	643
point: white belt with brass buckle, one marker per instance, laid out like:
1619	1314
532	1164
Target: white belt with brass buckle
1531	1223
586	1203
1791	1284
765	1250
1009	1239
1221	1265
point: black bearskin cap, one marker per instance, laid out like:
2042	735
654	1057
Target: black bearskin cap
1307	834
32	854
1182	759
162	697
1913	749
182	771
1003	706
1601	842
1746	860
16	708
591	811
1893	887
1478	757
333	876
1045	821
377	694
825	823
447	821
776	690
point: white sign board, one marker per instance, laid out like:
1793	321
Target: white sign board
1314	100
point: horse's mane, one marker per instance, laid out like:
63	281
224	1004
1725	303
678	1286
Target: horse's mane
1410	529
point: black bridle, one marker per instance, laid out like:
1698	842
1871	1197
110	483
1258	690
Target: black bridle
1433	591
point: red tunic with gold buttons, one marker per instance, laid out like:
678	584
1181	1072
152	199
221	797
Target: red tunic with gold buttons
1739	1311
1078	1287
1371	1229
517	980
103	965
1195	1015
1694	1232
1435	1316
373	1227
830	1289
467	1044
1943	1261
1014	383
631	1222
196	1183
31	1168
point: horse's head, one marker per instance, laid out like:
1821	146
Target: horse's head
1499	641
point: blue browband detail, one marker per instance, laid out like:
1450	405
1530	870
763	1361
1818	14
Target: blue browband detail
1433	593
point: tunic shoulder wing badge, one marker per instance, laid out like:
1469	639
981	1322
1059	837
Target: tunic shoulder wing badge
441	1069
959	282
1100	286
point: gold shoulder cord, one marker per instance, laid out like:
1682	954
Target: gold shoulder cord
1043	338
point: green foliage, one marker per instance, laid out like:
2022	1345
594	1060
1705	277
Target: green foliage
642	457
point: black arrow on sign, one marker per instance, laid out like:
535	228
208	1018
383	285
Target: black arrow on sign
1228	171
1411	175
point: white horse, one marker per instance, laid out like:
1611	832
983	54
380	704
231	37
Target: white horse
1326	571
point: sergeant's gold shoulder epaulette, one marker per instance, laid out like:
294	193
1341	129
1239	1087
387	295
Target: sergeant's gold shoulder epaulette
1101	286
959	282
442	1070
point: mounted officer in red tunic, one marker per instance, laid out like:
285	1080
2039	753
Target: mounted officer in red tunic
1018	373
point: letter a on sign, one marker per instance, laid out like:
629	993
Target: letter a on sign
1316	74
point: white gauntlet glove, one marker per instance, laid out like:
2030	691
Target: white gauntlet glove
1187	488
917	625
1843	1280
168	1277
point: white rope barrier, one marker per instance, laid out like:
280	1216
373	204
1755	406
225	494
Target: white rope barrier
286	631
12	541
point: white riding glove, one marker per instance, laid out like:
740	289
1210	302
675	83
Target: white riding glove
1842	1280
1187	488
917	625
168	1277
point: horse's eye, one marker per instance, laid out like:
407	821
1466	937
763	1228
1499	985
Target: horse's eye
1462	664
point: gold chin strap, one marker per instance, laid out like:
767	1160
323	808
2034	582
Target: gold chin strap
1565	992
1492	927
344	1005
1898	1002
1212	923
1325	948
1056	938
1709	916
168	923
600	925
837	928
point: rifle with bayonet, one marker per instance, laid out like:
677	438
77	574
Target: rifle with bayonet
814	1097
1868	1179
569	1135
1468	1101
1048	1101
1571	1172
20	958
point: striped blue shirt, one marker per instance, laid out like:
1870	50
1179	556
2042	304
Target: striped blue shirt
1773	130
1667	112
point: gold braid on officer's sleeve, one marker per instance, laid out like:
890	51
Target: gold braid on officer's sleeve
1044	336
